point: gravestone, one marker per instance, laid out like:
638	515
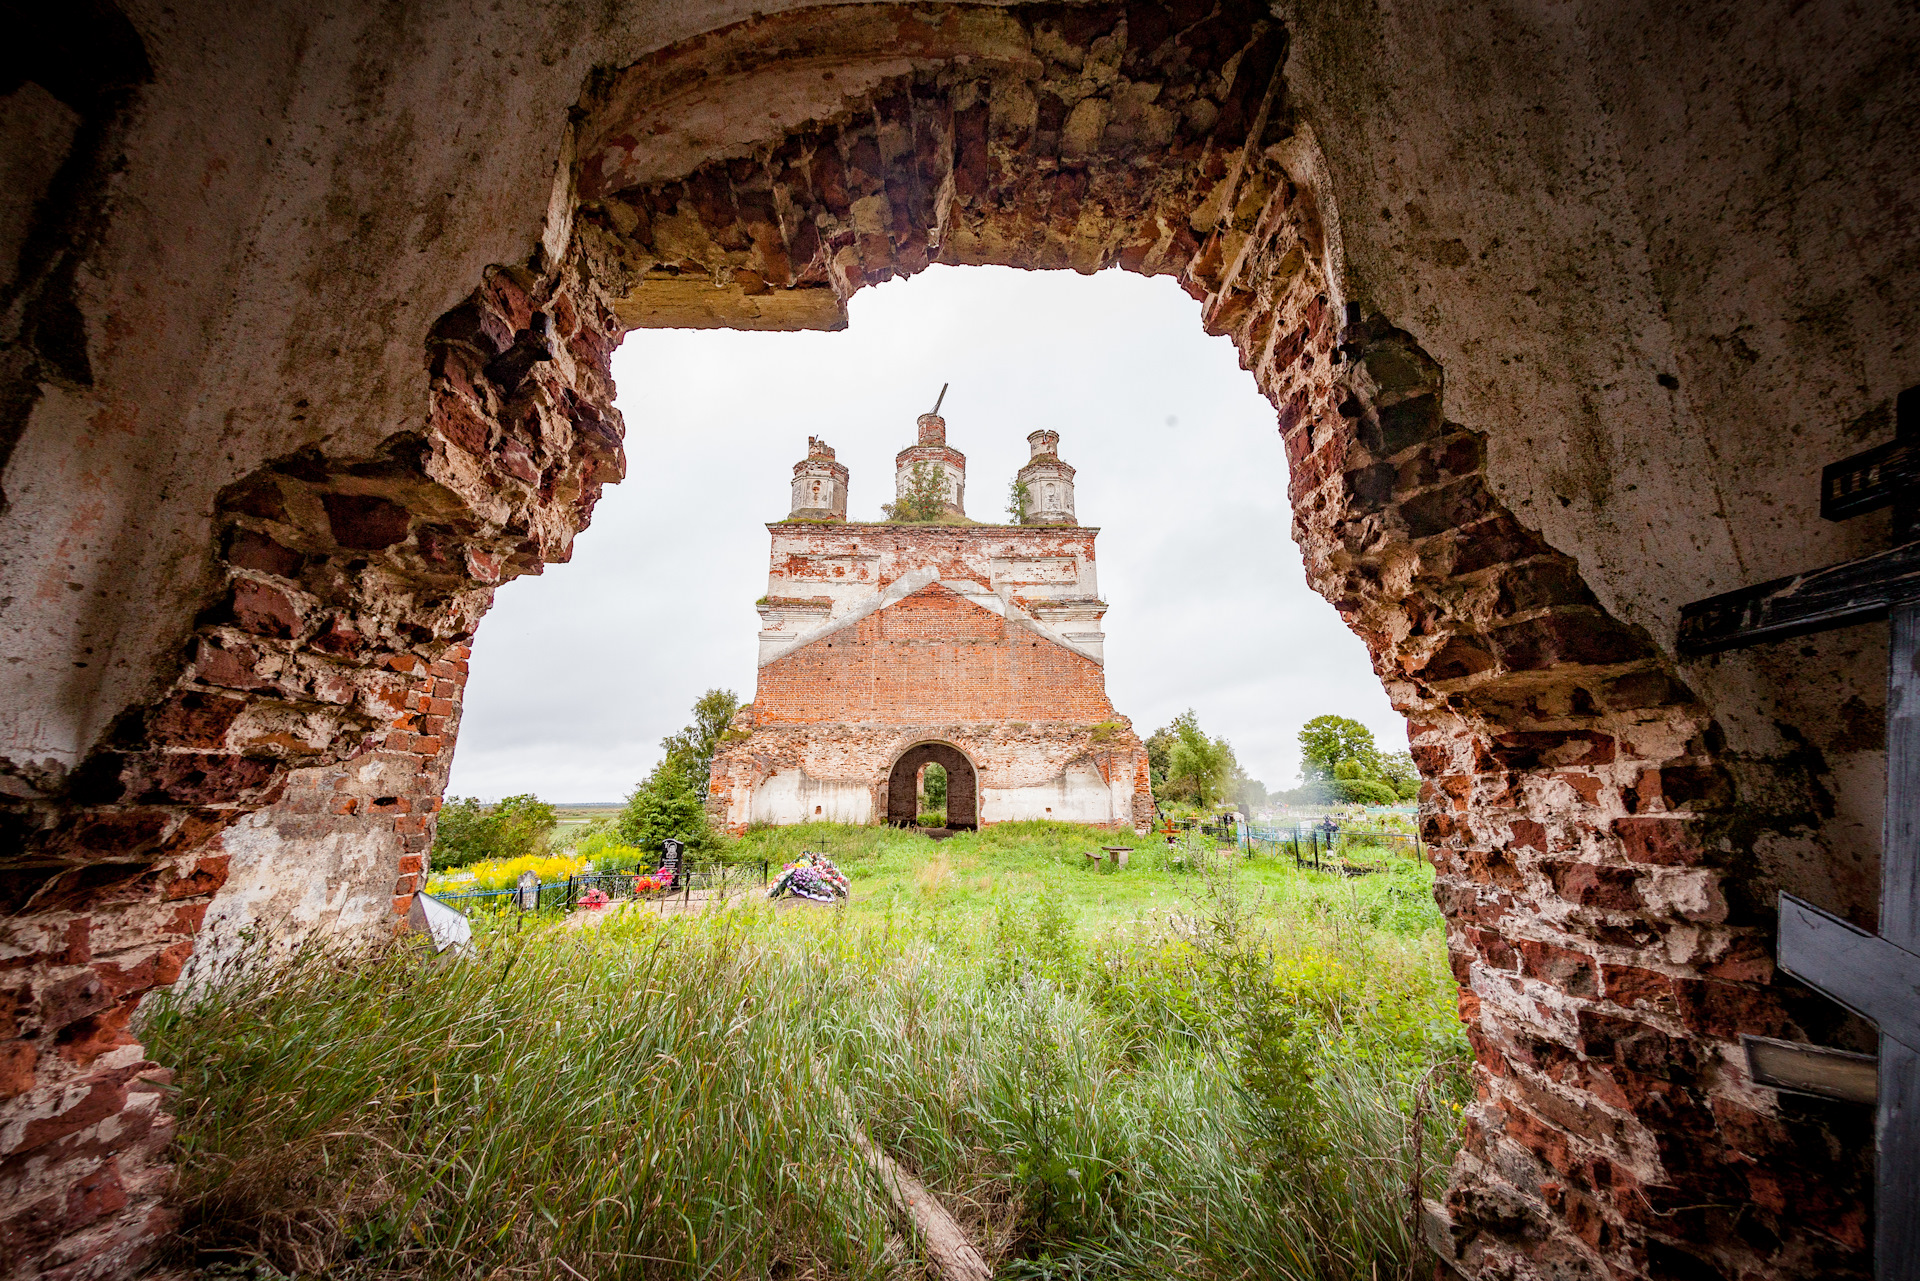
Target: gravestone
526	891
671	852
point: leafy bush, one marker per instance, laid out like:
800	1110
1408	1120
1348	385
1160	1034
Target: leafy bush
1018	498
500	874
1363	791
926	497
469	831
665	806
608	851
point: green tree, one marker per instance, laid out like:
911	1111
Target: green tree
934	784
1398	772
460	834
666	805
1159	753
1199	768
522	824
926	497
469	831
1325	741
694	745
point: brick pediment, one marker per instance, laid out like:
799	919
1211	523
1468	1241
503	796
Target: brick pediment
932	655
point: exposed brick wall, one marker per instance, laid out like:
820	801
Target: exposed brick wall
340	854
334	639
1604	919
933	657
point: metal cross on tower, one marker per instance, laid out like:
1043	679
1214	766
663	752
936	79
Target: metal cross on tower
1875	975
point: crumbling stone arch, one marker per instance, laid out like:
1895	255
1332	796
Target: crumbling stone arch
1609	941
963	785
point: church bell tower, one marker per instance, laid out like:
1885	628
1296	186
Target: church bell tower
1049	483
819	485
931	451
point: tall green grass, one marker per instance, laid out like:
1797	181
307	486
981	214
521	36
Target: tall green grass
1233	1091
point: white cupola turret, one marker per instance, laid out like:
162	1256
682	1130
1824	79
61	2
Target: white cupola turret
1049	483
819	485
931	453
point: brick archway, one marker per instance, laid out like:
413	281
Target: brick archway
963	791
1609	934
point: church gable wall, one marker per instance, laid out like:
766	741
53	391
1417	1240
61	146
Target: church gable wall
824	573
933	657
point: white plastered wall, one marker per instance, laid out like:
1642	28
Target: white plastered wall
1078	795
794	796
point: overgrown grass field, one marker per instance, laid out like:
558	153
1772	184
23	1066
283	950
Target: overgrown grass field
1243	1073
899	873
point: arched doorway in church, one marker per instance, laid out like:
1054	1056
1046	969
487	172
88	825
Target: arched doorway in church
903	799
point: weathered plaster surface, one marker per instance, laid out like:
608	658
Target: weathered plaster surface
838	772
826	576
1666	255
330	862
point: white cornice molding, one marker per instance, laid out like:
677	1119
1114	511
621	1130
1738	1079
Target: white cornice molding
918	580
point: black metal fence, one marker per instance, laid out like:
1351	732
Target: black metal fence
566	895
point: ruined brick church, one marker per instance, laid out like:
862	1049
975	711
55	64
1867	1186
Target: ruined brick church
888	647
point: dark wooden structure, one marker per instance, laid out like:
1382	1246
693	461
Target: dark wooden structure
1877	976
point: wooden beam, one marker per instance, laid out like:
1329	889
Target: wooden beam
1869	480
1864	972
1812	1069
1896	1194
1856	591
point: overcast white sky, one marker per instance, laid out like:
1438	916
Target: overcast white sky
578	673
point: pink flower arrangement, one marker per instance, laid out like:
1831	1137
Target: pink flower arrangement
645	883
594	900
